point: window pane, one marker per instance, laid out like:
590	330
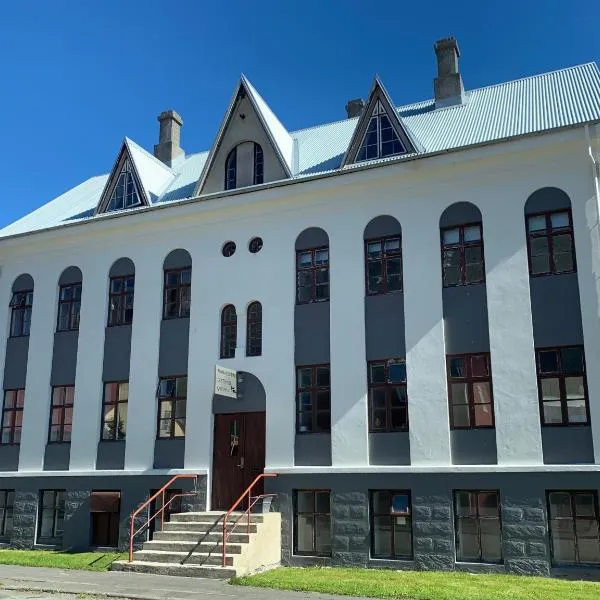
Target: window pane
181	387
305	422
378	396
374	249
552	412
322	502
487	504
304	377
572	360
548	361
379	419
375	276
537	223
397	372
398	397
459	393
324	421
466	504
402	537
305	259
484	416
382	536
585	505
323	534
560	504
574	388
460	415
322	257
559	220
563	541
563	254
468	540
304	534
377	373
451	236
576	411
458	367
392	246
322	376
588	543
491	540
479	366
305	502
482	394
382	502
550	389
323	400
540	257
399	418
472	233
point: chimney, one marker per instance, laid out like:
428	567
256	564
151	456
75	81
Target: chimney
448	86
355	107
168	149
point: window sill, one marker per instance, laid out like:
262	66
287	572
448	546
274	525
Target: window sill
66	330
390	293
312	302
15	337
388	430
48	545
313	432
552	274
564	425
111	325
10	444
111	441
480	566
175	318
462	285
484	427
58	443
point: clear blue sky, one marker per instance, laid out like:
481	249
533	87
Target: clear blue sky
77	76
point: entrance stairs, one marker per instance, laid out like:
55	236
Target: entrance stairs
191	544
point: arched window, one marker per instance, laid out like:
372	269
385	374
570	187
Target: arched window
246	174
258	164
254	329
228	331
231	170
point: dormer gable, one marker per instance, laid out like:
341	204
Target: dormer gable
251	146
137	179
379	132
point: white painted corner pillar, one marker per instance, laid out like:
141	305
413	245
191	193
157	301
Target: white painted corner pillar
349	389
87	409
424	332
512	350
39	365
143	369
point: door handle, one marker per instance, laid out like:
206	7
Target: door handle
241	463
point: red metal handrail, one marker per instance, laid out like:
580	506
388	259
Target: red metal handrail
247	493
162	491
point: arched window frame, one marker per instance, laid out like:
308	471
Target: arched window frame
254	329
231	170
259	164
228	331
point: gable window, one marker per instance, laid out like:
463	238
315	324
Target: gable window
550	243
231	170
125	194
178	291
478	529
384	265
120	302
69	307
12	416
254	329
114	410
259	164
52	516
238	174
462	255
312	522
61	415
388	400
313	399
470	391
574	527
172	399
20	320
380	139
228	331
7	503
562	386
312	275
391	526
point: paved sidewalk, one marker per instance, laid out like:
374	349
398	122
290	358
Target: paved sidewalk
137	586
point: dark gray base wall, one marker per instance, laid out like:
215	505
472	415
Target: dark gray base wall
525	541
135	490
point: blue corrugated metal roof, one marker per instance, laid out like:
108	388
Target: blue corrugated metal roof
567	97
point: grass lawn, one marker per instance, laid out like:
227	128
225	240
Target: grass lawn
88	561
419	585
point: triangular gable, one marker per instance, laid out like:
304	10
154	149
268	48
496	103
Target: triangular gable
136	179
279	138
379	132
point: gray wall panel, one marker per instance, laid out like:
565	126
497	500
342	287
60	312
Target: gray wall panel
567	445
389	448
122	267
460	213
168	454
110	455
473	446
313	237
117	351
311	333
384	323
548	198
251	396
466	319
23	283
64	358
382	226
70	275
15	365
177	259
312	449
9	457
57	457
174	343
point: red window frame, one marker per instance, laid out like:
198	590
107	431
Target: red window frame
462	246
12	416
550	236
176	399
315	515
228	331
120	302
69	307
61	414
389	517
311	272
114	428
562	375
470	381
254	329
183	291
385	258
317	393
387	389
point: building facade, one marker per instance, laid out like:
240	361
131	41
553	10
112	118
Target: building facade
410	298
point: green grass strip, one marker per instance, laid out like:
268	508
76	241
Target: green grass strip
88	561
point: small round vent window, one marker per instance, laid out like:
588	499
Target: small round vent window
228	249
255	245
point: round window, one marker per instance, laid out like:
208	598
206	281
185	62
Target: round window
255	245
228	249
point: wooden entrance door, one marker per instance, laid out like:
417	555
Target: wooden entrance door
238	456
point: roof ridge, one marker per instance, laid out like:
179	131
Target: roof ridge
144	151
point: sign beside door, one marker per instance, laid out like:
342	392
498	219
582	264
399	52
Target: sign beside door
225	382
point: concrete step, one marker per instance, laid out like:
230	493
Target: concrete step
198	536
212	517
178	546
208	572
185	558
201	528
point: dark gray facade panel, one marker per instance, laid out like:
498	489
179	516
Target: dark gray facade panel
23	283
460	213
117	353
548	198
389	448
15	363
64	358
9	457
567	445
110	455
312	449
466	319
174	344
313	237
473	446
382	226
77	529
556	310
122	267
311	333
177	259
169	454
384	325
251	396
70	275
24	512
57	457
